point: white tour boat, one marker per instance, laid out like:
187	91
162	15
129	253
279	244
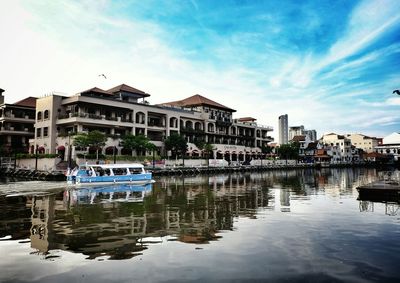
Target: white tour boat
87	174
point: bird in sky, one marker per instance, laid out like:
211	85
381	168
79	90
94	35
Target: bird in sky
102	75
396	91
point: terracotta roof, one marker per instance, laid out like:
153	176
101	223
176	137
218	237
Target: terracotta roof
374	155
312	145
127	88
197	100
299	138
246	119
27	102
96	90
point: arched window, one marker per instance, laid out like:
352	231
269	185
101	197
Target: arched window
39	115
46	114
189	125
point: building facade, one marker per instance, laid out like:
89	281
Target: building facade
123	110
390	146
300	130
16	124
367	144
283	129
338	147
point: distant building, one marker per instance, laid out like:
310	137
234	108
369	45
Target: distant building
338	147
312	134
283	129
390	146
363	142
300	130
16	124
295	131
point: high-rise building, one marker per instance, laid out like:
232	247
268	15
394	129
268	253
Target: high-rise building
283	129
312	134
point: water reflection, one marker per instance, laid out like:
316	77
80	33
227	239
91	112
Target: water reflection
122	222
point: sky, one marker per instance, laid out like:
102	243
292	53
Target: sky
330	65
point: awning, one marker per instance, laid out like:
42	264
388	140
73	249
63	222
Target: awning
40	148
61	148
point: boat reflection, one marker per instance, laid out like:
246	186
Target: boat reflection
104	194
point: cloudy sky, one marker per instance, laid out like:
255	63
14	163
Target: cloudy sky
330	65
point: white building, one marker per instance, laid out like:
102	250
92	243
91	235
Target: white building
123	110
283	129
390	146
338	147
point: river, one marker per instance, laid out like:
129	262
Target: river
276	226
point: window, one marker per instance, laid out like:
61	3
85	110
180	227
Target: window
39	116
38	132
45	131
46	114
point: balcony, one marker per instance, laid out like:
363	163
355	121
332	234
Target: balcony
86	117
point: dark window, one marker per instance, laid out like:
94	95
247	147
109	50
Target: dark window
45	131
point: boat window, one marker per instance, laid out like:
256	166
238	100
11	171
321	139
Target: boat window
107	172
135	170
119	171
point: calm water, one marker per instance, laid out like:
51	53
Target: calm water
291	226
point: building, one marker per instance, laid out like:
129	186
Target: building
338	147
283	129
296	131
312	134
123	110
16	124
300	130
390	146
367	144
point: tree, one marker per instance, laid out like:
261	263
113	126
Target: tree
138	143
81	140
289	151
176	143
94	138
97	140
208	149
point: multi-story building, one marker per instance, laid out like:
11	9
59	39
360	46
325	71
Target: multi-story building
337	146
295	131
283	129
390	146
16	124
312	134
123	110
363	142
300	130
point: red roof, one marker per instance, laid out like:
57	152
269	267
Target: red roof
197	100
27	102
299	138
127	88
97	90
247	119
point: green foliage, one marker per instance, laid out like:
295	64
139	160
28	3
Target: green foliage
81	140
266	149
28	156
138	143
289	151
176	143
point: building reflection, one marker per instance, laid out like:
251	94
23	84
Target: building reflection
120	223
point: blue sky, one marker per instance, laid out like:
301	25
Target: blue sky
329	65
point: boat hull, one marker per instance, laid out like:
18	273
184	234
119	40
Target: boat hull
109	180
